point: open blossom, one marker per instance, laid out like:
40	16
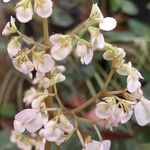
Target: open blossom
85	53
61	46
142	112
107	23
57	132
113	53
133	83
43	8
97	39
29	95
113	112
25	66
14	46
30	119
95	145
39	98
43	63
24	11
10	27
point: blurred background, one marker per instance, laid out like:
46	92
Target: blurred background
132	34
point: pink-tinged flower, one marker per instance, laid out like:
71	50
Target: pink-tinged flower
115	110
84	53
57	130
95	145
97	39
29	96
43	63
43	8
133	83
107	23
61	46
14	46
10	27
25	66
142	112
29	119
51	132
24	11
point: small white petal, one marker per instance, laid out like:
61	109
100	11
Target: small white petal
108	24
81	49
44	10
60	53
19	127
142	112
6	1
24	14
133	85
88	57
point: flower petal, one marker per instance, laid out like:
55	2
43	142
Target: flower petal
108	24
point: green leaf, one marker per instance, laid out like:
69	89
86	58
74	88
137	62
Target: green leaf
115	5
61	18
120	36
7	110
139	28
129	7
5	143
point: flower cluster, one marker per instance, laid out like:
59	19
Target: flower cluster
39	62
24	9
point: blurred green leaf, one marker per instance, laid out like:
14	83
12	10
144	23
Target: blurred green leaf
61	18
129	7
115	4
7	110
3	44
5	143
139	28
120	36
146	90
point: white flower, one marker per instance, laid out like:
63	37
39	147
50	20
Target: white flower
84	53
25	66
115	110
29	119
125	69
142	112
61	46
96	14
24	11
14	46
43	63
43	8
114	53
29	95
57	130
6	1
107	23
39	98
39	76
133	83
10	27
97	39
51	132
95	145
